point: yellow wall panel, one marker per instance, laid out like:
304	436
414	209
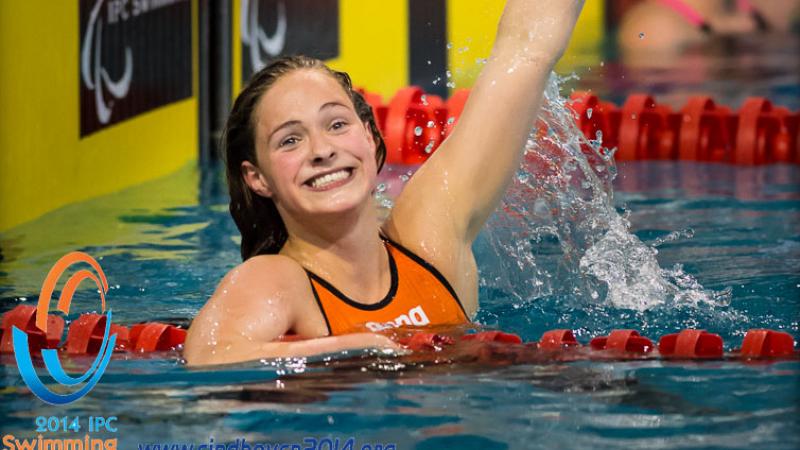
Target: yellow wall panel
44	163
374	44
472	25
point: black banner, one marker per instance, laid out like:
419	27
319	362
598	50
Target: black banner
427	45
271	28
134	56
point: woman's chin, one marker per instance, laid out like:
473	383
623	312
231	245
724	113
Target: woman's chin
341	203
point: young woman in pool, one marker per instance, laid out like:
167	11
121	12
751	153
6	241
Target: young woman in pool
303	154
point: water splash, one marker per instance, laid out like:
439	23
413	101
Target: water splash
558	231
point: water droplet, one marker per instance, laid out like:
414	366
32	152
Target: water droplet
381	187
431	124
589	113
429	147
523	177
451	120
429	62
451	85
424	99
449	45
418	131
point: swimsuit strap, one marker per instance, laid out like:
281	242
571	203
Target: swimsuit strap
695	18
419	296
690	14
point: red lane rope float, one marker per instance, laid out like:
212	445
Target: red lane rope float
628	341
493	336
155	336
24	318
414	124
767	343
85	334
691	344
557	340
426	341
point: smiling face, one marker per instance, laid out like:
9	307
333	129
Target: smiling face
315	156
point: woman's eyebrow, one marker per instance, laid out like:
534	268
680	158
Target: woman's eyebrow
286	124
332	104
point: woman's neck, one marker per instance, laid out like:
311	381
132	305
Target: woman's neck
344	249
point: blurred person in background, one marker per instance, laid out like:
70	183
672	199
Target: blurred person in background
669	26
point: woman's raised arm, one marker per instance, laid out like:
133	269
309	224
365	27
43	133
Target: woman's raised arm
464	180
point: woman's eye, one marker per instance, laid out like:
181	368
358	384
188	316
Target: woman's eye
338	125
288	141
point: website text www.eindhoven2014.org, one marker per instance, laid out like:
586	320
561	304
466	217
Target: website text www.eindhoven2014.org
307	443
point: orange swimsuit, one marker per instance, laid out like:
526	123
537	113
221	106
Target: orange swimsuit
419	296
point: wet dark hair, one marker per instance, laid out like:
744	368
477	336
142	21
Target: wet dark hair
257	217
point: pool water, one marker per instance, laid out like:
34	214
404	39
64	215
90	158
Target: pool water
165	244
745	237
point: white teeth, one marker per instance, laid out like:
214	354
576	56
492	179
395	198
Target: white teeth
329	178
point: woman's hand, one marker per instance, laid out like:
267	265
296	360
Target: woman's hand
367	340
536	28
296	348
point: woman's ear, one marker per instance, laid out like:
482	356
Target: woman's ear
255	179
370	136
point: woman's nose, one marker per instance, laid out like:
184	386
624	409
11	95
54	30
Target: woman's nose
323	151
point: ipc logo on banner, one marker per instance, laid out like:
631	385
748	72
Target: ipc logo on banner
84	383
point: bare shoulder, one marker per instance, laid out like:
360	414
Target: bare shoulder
273	271
256	301
260	278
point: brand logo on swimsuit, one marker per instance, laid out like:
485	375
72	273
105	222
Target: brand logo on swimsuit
94	75
416	316
50	356
254	36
